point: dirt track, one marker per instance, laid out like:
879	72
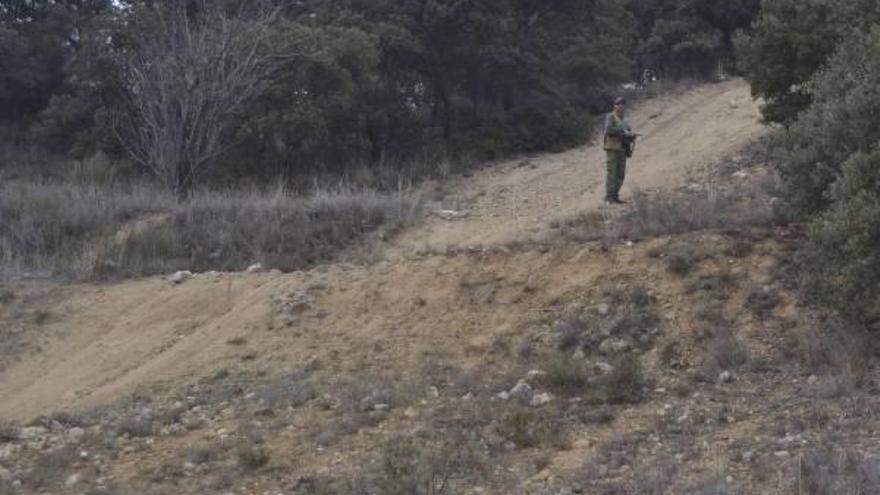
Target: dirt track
107	341
682	133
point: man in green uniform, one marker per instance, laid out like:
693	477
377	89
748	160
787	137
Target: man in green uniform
619	139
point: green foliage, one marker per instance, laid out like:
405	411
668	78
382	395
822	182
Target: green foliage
791	41
843	120
841	260
829	167
37	40
689	38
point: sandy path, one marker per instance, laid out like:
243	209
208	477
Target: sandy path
517	199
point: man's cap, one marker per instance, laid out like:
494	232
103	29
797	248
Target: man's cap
620	100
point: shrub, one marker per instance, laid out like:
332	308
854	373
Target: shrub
408	467
252	457
842	121
134	427
761	301
681	259
841	261
625	383
8	431
826	472
564	373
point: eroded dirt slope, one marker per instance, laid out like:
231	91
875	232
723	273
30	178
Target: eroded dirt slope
107	340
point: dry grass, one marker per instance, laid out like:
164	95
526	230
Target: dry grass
80	231
668	213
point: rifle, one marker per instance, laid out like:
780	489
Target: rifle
629	143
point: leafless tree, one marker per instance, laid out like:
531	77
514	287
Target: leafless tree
187	75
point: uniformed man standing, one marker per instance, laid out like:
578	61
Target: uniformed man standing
619	141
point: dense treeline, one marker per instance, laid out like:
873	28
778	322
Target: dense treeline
817	65
323	86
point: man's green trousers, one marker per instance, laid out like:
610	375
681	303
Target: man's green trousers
616	173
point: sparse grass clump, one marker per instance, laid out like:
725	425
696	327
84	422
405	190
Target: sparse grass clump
724	352
411	467
528	429
134	427
253	457
565	374
761	301
625	383
9	431
826	472
681	258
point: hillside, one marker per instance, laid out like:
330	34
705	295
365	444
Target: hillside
672	364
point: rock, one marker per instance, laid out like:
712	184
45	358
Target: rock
32	432
521	391
781	454
725	377
614	346
73	479
468	396
411	413
180	277
7	452
450	215
381	407
76	434
5	475
603	367
255	268
541	399
504	395
579	354
532	374
603	309
433	392
813	379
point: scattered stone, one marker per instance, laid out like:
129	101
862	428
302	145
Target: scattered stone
450	215
504	395
433	392
532	374
411	413
813	379
381	407
255	268
781	454
73	480
32	432
541	399
603	367
614	346
521	391
603	309
180	277
7	452
725	377
76	434
468	396
579	354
